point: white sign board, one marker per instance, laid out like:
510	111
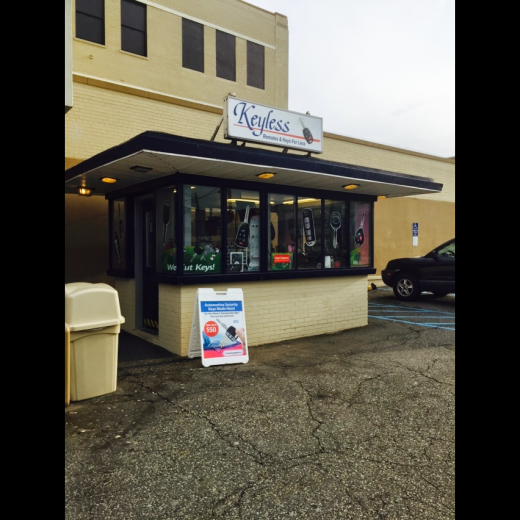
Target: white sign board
218	329
252	122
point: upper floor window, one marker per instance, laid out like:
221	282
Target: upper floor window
255	65
226	55
192	45
133	27
90	20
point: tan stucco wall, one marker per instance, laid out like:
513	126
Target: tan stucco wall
393	219
161	70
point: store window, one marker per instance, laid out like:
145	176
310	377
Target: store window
360	225
336	246
282	234
255	65
118	235
309	233
192	45
133	27
226	55
166	227
202	233
90	20
243	230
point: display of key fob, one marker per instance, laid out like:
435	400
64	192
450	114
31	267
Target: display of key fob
335	220
308	227
242	238
335	224
359	237
306	133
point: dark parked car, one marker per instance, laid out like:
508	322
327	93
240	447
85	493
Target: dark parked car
433	272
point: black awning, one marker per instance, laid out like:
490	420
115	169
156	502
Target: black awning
151	155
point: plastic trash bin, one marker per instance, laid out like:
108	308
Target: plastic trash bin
93	320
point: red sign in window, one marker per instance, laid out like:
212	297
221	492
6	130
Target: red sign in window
281	259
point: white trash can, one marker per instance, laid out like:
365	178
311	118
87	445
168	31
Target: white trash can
93	317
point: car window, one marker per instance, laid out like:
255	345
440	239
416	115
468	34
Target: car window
448	250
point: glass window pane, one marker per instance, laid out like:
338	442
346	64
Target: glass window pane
133	15
133	27
92	7
202	230
133	41
243	230
309	233
226	56
255	65
165	226
90	29
360	253
192	45
336	247
282	234
90	20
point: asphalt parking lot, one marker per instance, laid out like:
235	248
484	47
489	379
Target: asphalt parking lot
358	424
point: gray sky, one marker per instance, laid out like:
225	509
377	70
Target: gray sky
378	70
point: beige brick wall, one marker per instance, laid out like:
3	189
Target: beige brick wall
273	310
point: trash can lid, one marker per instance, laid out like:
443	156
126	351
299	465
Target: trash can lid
91	305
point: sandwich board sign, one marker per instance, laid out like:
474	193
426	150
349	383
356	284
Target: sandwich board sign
218	328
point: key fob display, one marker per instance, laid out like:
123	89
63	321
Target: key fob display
335	224
359	237
308	227
306	133
242	237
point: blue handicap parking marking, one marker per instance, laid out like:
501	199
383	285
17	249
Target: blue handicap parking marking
412	316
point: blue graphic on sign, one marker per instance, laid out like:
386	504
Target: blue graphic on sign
415	228
221	306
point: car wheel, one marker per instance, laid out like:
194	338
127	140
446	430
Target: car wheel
406	288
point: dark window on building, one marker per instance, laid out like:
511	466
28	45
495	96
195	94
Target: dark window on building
133	27
90	20
255	65
192	45
226	56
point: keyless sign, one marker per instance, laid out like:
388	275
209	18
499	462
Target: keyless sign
252	122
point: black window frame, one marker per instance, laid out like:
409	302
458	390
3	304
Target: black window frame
182	179
192	45
134	27
226	61
255	65
90	20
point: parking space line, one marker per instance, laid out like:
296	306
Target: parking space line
406	314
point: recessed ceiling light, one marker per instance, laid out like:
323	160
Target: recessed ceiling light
109	180
350	186
265	175
140	169
381	197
